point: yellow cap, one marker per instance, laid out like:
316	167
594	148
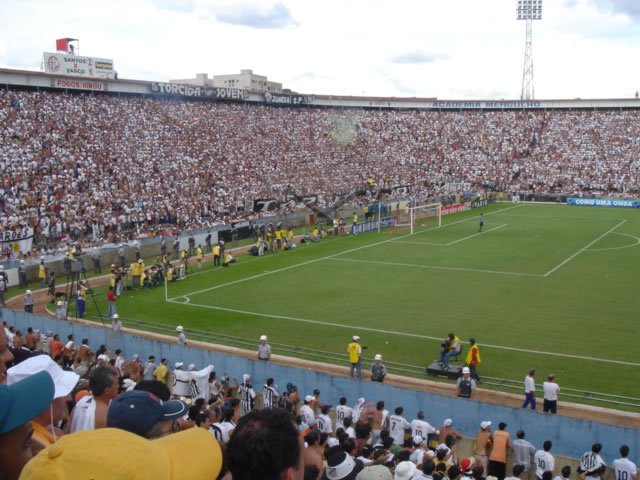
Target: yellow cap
110	453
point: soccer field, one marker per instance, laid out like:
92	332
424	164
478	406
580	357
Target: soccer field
543	286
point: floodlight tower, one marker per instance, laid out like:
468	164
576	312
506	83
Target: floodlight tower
528	10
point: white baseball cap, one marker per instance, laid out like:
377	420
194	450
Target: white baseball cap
448	422
64	381
309	398
179	328
405	470
191	367
60	303
377	357
28	291
178	365
263	337
103	358
116	316
417	440
465	370
484	425
356	338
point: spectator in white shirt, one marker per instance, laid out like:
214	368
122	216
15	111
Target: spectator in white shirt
397	426
518	471
544	460
530	390
565	473
550	391
624	468
523	452
421	428
342	411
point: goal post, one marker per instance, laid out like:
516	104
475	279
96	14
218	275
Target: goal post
425	215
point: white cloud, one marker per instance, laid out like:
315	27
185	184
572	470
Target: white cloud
453	49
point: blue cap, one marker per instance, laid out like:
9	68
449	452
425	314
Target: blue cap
24	400
138	411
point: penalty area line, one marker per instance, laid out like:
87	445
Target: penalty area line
437	267
476	234
407	242
402	334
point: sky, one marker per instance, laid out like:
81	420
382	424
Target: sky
450	49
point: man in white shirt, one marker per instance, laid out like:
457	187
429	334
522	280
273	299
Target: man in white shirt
90	412
544	460
565	474
518	470
550	390
397	426
530	390
342	411
324	421
348	429
421	428
119	362
624	468
421	453
228	424
523	452
307	412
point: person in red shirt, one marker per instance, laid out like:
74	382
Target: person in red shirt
111	301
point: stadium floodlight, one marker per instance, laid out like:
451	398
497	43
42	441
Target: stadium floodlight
528	10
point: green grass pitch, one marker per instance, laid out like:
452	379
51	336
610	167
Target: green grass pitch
540	279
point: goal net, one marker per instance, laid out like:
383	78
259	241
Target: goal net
422	216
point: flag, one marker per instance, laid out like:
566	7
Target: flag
62	44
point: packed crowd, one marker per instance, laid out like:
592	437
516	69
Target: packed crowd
107	166
65	409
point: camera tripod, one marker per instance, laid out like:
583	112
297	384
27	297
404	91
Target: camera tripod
75	279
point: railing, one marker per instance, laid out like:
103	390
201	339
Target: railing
417	371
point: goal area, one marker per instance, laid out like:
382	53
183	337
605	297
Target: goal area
429	216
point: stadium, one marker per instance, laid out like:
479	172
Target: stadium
382	198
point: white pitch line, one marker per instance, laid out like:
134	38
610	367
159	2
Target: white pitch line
271	272
617	248
476	234
583	249
405	242
437	267
402	334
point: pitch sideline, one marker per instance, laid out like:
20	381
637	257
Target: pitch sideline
402	334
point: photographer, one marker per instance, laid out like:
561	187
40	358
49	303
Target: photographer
450	348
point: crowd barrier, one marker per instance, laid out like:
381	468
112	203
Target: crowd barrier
571	437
